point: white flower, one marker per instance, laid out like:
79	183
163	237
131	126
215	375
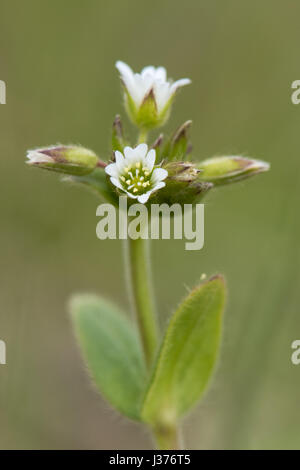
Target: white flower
148	94
134	172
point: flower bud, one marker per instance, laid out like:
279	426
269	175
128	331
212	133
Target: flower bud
73	160
148	95
226	170
117	140
182	171
157	146
183	184
178	146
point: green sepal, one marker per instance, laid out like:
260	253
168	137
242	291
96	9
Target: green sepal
118	141
147	114
178	145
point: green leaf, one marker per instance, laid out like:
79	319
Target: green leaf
187	356
111	348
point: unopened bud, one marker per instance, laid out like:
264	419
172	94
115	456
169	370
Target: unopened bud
73	160
179	142
226	170
183	184
182	171
118	141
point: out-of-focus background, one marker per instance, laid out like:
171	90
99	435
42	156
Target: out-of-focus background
57	59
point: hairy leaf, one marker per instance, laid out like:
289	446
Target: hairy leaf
112	351
187	356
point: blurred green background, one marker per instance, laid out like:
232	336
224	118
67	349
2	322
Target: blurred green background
57	59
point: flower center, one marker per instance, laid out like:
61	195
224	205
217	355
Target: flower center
136	179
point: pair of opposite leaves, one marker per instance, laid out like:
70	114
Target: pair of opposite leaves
111	347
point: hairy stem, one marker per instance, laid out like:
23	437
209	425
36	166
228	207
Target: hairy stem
139	275
142	296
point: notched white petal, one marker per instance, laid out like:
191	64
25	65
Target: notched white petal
159	174
124	69
129	153
112	170
119	159
180	83
143	198
141	149
159	185
116	182
150	159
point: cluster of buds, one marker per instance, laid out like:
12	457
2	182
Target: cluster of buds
162	172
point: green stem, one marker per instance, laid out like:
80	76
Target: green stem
139	274
168	438
142	296
142	136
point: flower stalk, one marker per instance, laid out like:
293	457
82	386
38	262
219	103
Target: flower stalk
169	438
141	291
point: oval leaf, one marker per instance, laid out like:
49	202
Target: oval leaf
187	356
112	350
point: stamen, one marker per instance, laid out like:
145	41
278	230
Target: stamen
128	181
135	190
138	164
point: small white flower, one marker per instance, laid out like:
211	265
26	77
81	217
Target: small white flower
134	172
149	89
